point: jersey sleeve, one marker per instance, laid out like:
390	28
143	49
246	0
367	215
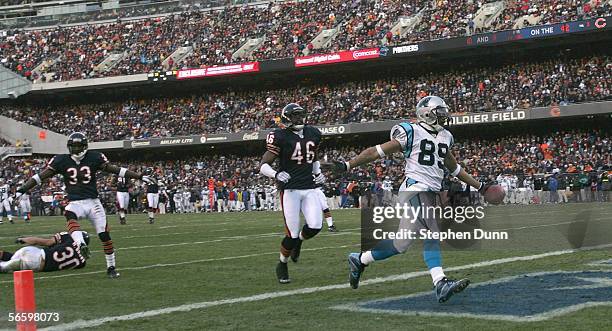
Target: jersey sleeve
101	159
62	237
273	142
55	164
404	134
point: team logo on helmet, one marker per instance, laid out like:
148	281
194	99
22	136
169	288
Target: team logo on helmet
293	116
77	145
434	112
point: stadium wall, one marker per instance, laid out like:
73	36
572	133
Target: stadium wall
484	118
42	141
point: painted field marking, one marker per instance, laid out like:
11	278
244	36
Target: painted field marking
80	324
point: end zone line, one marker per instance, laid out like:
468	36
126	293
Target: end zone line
272	295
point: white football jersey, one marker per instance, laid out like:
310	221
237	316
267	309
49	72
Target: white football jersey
424	153
4	192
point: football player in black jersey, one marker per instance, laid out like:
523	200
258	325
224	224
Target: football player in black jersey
79	168
123	197
299	171
60	252
152	195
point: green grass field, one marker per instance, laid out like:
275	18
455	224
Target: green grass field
216	271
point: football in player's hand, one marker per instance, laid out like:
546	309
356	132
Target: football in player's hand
494	194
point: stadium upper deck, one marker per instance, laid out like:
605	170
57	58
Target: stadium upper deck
269	31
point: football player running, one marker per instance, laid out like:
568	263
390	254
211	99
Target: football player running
325	208
60	252
426	146
295	146
152	195
79	168
123	197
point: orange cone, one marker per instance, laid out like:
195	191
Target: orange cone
25	304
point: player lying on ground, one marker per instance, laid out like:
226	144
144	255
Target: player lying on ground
295	146
60	252
79	169
426	147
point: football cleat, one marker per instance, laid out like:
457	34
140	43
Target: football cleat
11	221
282	273
355	269
111	272
445	288
332	228
295	252
1	222
122	221
151	220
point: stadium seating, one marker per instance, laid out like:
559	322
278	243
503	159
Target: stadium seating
574	151
286	29
520	85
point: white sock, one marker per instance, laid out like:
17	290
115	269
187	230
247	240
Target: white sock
10	217
284	259
121	214
436	274
329	221
110	260
77	236
367	258
151	214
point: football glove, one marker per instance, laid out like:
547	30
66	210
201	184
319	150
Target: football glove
282	176
319	179
149	180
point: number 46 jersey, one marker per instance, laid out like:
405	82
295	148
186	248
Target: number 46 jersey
424	152
79	177
296	152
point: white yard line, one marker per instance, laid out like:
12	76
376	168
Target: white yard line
278	294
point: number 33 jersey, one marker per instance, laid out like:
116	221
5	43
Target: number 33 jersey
296	152
79	178
424	151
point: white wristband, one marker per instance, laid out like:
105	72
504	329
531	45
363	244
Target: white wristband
456	172
37	179
267	171
122	172
380	151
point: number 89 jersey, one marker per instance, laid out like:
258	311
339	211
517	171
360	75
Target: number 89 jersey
79	178
296	152
425	152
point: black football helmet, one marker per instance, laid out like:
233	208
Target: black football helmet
293	116
77	144
86	237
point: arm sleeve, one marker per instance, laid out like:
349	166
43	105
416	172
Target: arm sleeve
403	134
273	143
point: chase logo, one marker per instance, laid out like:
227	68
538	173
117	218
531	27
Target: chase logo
524	298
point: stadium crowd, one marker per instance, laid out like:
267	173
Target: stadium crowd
515	86
288	28
579	160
